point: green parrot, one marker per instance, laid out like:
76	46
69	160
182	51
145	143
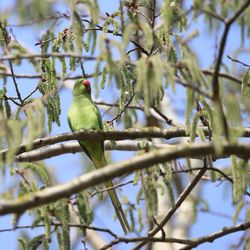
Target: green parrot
84	114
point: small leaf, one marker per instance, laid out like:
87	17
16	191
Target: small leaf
23	244
245	89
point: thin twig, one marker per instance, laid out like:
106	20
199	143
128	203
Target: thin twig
57	224
37	76
235	60
215	78
101	103
153	14
7	40
142	14
110	188
143	239
223	75
28	96
45	55
211	73
197	89
61	15
228	23
168	120
219	214
226	177
131	50
74	147
213	14
223	232
100	28
117	117
13	99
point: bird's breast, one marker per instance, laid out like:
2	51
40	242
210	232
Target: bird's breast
83	116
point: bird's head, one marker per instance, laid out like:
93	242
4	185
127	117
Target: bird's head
82	87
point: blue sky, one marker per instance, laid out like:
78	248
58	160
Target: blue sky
69	166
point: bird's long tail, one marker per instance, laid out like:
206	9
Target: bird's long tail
118	208
114	199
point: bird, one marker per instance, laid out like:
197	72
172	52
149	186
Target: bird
83	114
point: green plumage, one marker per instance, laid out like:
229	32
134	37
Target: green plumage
84	114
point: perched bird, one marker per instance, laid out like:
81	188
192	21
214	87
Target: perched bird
84	115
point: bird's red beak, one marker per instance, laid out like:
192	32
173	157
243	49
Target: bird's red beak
86	84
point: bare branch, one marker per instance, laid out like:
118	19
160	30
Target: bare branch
224	175
106	135
110	188
7	40
142	14
147	239
228	23
224	231
111	135
116	118
219	214
99	176
100	28
168	120
223	75
195	88
30	94
74	147
215	77
54	54
45	19
57	224
37	76
213	14
101	103
238	61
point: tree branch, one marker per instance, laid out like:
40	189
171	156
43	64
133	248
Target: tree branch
57	224
7	40
223	75
74	147
210	238
228	23
215	78
54	54
38	76
197	89
224	175
100	28
213	14
50	17
238	61
147	239
101	103
116	118
111	171
168	120
150	132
